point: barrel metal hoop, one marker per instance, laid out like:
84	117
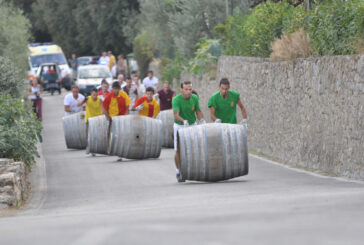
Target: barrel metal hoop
206	154
79	131
223	151
117	138
145	139
240	162
245	170
131	134
232	151
189	144
195	132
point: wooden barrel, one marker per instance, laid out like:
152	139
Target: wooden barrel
135	137
74	128
98	135
167	119
212	152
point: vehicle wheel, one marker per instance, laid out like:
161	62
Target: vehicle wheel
52	91
59	91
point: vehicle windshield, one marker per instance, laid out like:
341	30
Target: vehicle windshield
94	73
48	58
83	61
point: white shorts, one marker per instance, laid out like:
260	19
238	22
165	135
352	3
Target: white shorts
175	129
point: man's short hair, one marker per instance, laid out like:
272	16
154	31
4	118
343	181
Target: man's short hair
104	82
134	72
150	72
115	85
94	90
75	86
149	89
185	83
224	81
128	78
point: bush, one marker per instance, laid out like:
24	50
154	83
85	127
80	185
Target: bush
143	52
171	69
11	78
335	27
19	130
291	46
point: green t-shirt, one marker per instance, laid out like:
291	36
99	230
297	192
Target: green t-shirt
225	109
187	108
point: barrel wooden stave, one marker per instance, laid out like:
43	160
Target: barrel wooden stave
98	135
75	131
135	137
212	152
167	119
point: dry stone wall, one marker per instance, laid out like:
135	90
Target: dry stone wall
308	112
13	183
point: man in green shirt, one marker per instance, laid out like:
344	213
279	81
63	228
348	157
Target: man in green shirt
223	103
185	109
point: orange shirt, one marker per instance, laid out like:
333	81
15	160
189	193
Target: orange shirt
116	106
150	109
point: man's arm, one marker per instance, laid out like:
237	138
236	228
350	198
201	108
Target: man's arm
212	113
199	114
67	108
105	112
177	116
243	111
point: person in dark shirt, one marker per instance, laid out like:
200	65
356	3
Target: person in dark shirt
165	97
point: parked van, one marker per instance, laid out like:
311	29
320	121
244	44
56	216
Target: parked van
40	53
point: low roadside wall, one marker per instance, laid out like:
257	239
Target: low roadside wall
306	112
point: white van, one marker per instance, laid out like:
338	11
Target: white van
40	53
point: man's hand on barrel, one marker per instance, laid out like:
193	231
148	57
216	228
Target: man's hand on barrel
185	123
245	123
139	107
218	120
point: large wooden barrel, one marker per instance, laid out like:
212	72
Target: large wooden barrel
167	119
212	152
135	137
74	128
98	135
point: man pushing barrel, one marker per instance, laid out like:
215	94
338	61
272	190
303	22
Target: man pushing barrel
185	109
116	103
223	103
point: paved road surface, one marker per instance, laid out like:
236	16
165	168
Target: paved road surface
97	200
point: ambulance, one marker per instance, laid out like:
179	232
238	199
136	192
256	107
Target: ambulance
40	53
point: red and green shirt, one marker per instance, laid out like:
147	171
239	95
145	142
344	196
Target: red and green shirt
116	105
150	109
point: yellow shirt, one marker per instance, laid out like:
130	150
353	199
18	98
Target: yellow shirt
112	61
150	109
93	108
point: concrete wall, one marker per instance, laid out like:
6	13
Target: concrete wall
309	112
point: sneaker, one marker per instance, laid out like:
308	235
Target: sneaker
179	178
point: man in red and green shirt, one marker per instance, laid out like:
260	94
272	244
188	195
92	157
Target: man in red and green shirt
223	103
186	108
116	103
147	105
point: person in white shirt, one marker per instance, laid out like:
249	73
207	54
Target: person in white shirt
151	81
121	80
104	59
140	87
71	100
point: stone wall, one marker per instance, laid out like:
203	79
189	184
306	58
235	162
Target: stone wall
13	183
308	112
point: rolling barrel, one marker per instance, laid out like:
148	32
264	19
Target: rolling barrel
98	135
212	152
74	128
135	137
167	119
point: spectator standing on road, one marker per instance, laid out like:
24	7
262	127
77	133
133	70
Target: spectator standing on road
104	59
140	87
71	100
93	105
120	68
34	92
121	80
147	105
185	109
223	103
104	91
116	102
165	96
74	64
151	81
111	60
131	90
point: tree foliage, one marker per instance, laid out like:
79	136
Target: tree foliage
143	52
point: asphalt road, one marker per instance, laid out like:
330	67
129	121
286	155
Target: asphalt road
81	199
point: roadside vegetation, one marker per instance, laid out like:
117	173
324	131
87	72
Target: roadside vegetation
19	129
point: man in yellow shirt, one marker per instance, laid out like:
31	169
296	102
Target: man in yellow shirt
147	105
112	60
116	103
93	105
